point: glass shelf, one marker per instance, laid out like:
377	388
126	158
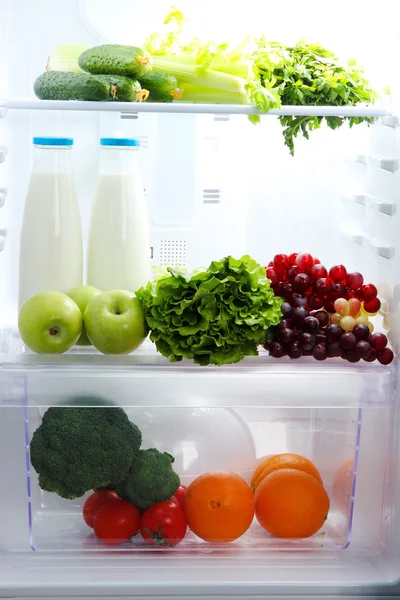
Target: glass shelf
239	109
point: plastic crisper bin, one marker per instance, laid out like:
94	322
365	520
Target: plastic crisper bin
230	419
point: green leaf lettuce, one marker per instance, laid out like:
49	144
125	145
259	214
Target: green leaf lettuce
215	316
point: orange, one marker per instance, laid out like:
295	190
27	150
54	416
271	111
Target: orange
291	504
342	484
283	461
219	506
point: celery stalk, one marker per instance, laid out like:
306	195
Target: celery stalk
243	69
208	78
203	95
65	58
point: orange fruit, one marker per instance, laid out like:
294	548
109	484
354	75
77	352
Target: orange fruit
342	484
291	504
219	506
283	461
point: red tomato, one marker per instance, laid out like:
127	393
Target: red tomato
180	495
163	524
116	521
94	503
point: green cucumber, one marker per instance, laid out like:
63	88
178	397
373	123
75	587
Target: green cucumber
161	87
116	59
62	85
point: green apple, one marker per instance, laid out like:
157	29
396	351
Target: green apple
82	295
50	322
115	322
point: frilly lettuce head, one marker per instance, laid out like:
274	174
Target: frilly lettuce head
215	316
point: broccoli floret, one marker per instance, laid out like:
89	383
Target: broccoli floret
151	479
78	449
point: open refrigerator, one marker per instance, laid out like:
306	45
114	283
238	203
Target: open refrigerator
215	185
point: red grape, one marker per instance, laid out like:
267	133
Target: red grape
352	356
291	273
320	337
320	351
368	292
353	294
318	271
287	310
338	273
363	349
322	286
354	280
338	290
317	261
311	324
305	263
294	350
301	282
315	302
286	291
333	332
329	302
299	314
281	262
348	341
361	332
385	356
272	275
307	341
322	317
371	356
293	257
334	349
372	306
283	324
287	335
378	341
276	350
299	300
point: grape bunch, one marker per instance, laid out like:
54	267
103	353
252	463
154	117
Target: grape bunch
325	314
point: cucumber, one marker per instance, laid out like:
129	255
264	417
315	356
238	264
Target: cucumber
116	59
161	86
58	85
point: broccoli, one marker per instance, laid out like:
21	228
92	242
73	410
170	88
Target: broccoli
78	449
151	479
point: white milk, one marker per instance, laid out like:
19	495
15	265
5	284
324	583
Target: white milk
118	248
51	237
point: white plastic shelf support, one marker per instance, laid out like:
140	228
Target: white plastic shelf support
374	246
180	107
3	196
386	164
3	235
3	154
387	208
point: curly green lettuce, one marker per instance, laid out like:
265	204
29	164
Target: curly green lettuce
216	316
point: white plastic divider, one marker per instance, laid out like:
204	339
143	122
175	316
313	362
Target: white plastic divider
169	107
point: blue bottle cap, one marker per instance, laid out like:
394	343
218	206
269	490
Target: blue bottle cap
119	142
53	141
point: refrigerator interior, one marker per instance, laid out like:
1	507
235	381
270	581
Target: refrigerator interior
215	185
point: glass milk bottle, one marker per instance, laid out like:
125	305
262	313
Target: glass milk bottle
50	255
118	248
